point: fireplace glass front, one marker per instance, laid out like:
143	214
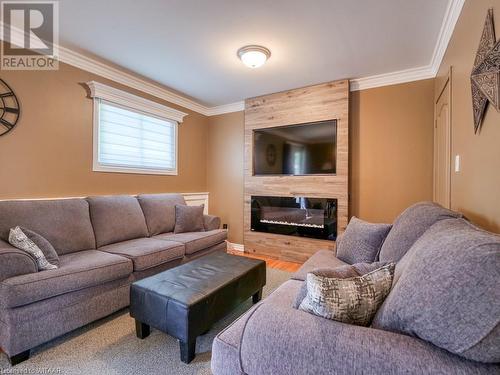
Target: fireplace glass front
295	216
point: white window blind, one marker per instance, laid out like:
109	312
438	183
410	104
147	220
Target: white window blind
134	141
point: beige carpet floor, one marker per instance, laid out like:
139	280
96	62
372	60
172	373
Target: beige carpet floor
109	346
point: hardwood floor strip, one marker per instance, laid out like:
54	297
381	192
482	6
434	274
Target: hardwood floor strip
270	262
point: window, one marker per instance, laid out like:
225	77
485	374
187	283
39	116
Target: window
129	139
132	134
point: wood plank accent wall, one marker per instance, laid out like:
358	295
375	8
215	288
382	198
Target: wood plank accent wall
308	104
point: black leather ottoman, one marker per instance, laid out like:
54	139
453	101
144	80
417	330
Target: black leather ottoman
185	301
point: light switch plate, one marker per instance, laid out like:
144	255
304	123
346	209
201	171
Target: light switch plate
457	163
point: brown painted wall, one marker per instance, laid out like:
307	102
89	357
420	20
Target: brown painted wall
225	171
391	156
475	190
49	153
391	148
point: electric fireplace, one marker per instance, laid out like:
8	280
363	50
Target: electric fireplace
295	216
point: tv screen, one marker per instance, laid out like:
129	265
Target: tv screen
303	149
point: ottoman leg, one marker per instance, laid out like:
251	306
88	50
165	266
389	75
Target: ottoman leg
141	330
257	296
18	358
188	350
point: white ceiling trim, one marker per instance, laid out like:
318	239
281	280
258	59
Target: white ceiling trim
393	78
226	108
425	72
450	20
106	71
124	98
91	65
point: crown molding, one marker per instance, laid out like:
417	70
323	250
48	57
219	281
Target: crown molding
117	75
104	70
226	108
112	73
113	95
447	27
425	72
393	78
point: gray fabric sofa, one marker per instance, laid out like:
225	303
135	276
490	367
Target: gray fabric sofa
435	250
104	244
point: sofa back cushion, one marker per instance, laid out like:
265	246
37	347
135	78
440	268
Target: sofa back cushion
65	223
116	218
159	211
361	241
409	226
447	292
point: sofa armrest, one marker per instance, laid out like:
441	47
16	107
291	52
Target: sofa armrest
14	262
281	340
211	222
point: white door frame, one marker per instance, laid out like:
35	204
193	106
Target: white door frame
446	86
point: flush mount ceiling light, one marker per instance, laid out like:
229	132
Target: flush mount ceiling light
254	56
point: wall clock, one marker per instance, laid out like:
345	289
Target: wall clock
9	108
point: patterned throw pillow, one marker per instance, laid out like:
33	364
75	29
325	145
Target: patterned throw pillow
189	218
352	300
341	272
361	241
47	249
18	239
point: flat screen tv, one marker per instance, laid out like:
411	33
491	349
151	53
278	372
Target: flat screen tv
296	150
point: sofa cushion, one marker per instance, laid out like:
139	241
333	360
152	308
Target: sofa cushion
65	223
448	292
321	259
361	241
146	252
76	271
196	241
159	211
274	338
189	219
116	218
409	226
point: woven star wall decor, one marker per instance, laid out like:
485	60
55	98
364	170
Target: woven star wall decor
485	76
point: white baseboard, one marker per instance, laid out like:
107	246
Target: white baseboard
236	246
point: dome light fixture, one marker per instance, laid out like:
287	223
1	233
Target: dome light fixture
254	56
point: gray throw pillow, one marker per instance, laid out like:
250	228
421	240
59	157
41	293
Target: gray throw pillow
409	226
18	239
361	241
47	249
352	300
189	218
448	291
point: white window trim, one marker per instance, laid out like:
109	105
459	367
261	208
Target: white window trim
99	92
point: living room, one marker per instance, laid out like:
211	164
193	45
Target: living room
286	187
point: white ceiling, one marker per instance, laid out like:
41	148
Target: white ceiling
190	45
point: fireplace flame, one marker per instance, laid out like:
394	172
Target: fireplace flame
291	224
